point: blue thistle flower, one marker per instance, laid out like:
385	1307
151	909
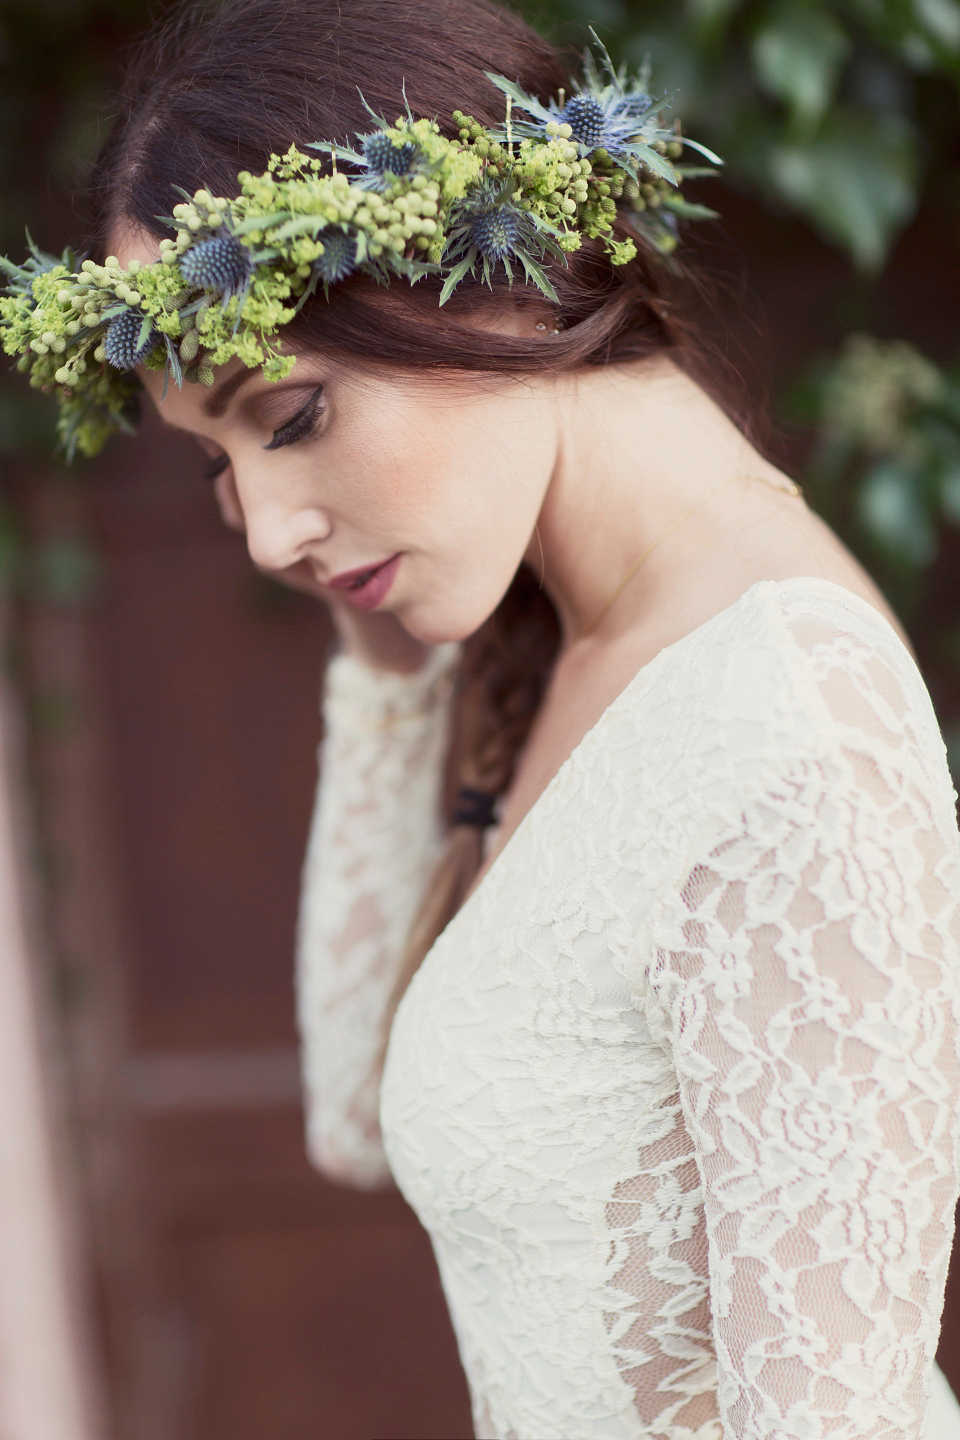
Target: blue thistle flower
495	231
220	263
122	343
382	155
610	110
488	229
587	118
339	258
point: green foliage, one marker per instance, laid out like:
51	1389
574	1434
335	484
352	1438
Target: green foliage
415	202
886	469
838	110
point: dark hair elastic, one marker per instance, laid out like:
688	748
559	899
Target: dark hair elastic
475	807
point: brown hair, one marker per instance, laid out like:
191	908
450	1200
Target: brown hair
210	93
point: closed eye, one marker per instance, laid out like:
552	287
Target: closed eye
301	425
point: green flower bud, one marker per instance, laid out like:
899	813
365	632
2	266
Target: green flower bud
569	207
206	376
674	149
189	346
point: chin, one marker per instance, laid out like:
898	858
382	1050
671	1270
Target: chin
438	626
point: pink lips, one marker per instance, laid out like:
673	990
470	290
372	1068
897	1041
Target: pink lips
365	587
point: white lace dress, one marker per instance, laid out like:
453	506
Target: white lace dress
676	1092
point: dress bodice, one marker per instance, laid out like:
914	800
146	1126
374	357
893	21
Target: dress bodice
676	1092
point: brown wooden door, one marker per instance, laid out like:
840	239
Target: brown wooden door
249	1300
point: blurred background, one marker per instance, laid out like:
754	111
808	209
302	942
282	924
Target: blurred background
160	721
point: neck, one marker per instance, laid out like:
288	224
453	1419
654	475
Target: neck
638	446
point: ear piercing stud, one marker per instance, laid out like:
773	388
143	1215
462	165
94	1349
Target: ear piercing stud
541	326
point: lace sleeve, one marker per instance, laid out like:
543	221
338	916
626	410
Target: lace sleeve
806	984
375	836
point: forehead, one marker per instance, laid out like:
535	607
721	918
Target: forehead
129	241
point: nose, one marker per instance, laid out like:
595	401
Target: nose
278	538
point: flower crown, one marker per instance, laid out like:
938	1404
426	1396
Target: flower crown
410	203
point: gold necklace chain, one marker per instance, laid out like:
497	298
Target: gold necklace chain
785	489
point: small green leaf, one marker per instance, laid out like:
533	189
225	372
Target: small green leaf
655	162
687	210
538	275
303	225
856	181
456	275
797	56
893	510
950	494
260	222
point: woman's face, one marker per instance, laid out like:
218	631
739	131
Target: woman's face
433	485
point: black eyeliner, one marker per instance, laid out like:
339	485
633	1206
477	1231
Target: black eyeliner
299	425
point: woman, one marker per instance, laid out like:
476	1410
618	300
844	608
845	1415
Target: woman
675	1091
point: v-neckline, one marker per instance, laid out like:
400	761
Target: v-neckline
590	736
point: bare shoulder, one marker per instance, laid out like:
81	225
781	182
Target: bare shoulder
785	539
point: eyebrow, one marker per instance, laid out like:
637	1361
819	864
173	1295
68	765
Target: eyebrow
216	404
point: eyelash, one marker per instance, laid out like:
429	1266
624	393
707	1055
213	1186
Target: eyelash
301	425
297	428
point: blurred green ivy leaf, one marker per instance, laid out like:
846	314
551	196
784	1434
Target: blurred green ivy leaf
891	508
854	181
798	52
886	468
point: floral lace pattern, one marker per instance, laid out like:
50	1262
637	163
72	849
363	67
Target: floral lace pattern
677	1092
374	839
